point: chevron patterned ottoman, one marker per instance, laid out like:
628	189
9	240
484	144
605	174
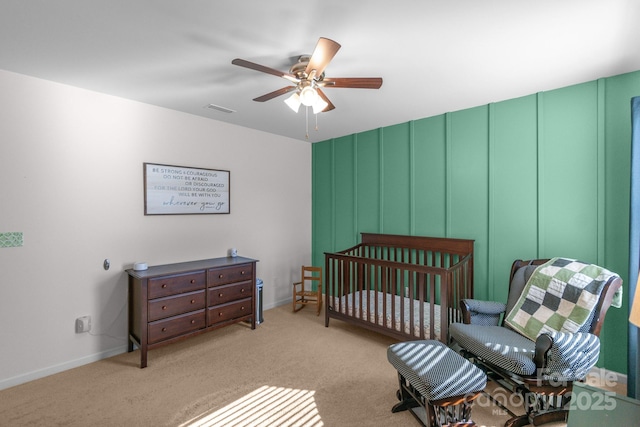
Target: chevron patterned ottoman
437	385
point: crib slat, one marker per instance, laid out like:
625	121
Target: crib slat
421	299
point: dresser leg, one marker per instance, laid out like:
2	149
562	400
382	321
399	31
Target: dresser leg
143	358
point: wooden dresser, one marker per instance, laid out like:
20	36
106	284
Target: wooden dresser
171	302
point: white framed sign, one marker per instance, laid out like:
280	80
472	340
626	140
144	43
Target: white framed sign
179	190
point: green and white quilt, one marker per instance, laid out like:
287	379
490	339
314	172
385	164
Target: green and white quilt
559	296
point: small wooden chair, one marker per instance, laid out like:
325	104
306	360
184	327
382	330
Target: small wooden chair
303	293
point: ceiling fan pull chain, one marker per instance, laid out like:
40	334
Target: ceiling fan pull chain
316	121
306	112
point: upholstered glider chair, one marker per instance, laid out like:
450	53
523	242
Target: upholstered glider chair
544	338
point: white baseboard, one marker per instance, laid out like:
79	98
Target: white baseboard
276	304
606	377
41	373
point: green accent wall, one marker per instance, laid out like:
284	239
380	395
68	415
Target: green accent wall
534	177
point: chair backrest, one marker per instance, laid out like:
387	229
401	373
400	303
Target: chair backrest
312	274
522	270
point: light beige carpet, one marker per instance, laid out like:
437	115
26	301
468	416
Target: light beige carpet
291	370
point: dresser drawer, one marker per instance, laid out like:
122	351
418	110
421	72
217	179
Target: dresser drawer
176	284
161	330
229	311
160	308
226	293
233	274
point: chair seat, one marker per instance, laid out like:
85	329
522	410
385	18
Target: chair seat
308	294
497	345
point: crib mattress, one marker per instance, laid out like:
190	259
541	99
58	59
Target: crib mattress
350	305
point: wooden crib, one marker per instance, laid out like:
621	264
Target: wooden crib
407	287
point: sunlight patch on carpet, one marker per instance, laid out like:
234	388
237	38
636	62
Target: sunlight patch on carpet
266	406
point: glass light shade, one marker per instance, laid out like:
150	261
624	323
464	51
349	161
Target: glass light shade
308	96
634	316
319	105
293	102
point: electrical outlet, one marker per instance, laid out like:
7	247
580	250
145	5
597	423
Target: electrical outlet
83	324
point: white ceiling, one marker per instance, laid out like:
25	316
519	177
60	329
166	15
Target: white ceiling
435	56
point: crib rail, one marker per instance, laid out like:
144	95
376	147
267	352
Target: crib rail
384	282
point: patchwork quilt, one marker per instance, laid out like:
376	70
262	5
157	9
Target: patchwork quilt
559	296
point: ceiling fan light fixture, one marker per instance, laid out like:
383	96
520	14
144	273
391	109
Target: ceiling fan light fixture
308	96
319	105
293	102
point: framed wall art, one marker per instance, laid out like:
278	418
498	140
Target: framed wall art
180	190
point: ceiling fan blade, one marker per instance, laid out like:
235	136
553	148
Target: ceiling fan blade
353	82
274	94
263	69
323	53
329	106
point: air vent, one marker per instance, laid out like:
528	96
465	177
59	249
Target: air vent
219	108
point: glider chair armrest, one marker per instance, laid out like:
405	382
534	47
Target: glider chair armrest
478	312
565	356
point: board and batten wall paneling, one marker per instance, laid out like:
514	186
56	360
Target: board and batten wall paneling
429	165
396	182
369	183
322	201
569	173
467	182
513	201
344	191
539	176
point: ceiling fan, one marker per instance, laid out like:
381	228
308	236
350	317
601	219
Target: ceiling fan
308	78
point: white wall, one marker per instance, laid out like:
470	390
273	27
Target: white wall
71	174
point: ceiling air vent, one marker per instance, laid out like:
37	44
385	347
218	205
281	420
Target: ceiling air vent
219	108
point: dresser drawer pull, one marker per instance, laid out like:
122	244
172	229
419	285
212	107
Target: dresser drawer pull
221	276
164	329
164	307
164	285
220	314
242	291
193	281
242	272
193	301
242	308
193	321
220	295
